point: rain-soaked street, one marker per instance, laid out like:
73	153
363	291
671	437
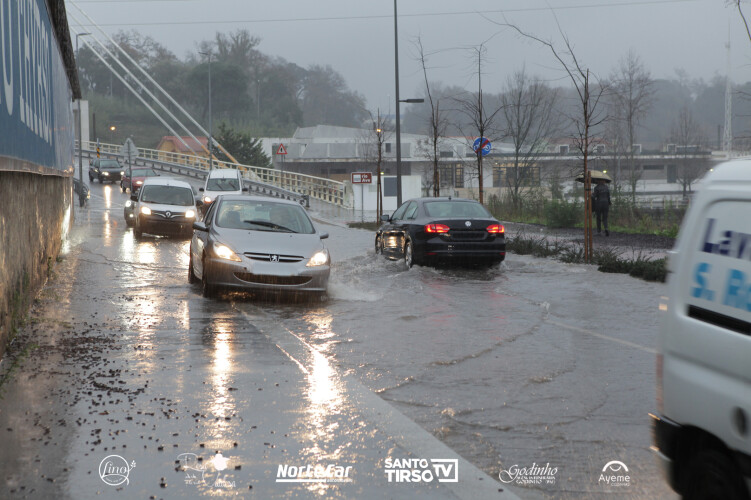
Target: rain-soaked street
140	386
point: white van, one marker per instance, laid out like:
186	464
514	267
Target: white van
221	181
703	431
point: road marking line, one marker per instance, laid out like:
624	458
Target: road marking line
601	336
473	483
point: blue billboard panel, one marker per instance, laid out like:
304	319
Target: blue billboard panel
36	118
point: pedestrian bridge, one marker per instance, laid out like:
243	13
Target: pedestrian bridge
259	180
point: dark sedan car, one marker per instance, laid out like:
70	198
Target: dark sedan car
431	230
139	175
105	170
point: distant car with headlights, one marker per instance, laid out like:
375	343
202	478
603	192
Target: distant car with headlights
136	181
433	230
163	206
221	181
258	243
105	170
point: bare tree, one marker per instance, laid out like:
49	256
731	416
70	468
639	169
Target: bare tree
372	143
633	95
689	139
481	120
436	126
529	120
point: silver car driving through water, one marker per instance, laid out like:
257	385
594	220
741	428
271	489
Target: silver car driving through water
258	243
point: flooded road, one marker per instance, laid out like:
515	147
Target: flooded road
533	363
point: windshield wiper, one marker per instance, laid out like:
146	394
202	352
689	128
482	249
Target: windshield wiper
265	223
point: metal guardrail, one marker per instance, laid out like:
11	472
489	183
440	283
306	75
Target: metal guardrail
253	186
260	178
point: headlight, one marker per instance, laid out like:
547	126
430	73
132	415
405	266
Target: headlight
138	183
106	174
190	214
224	252
319	259
129	203
145	210
207	199
122	173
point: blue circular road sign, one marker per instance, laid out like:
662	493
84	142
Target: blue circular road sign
482	144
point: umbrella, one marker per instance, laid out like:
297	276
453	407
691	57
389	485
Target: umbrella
595	175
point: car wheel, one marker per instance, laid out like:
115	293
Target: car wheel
191	275
409	254
207	289
378	245
712	473
128	222
137	231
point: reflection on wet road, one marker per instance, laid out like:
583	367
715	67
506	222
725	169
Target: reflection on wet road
535	362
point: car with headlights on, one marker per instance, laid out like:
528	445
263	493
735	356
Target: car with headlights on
221	181
435	230
105	170
258	243
163	206
133	180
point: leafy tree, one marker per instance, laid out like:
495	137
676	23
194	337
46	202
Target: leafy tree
326	99
244	148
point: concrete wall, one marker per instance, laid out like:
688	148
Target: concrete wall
35	213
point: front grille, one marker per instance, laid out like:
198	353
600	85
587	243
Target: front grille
165	227
267	279
468	235
172	215
268	257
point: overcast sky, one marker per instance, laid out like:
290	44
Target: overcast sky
356	37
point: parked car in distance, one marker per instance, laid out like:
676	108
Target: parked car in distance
258	243
103	169
163	206
139	175
221	181
701	429
433	230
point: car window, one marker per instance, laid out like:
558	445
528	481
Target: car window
210	213
263	216
143	172
222	184
109	164
399	214
167	195
411	211
450	209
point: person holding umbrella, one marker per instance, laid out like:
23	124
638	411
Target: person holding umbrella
601	204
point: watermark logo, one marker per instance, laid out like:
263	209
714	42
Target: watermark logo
524	476
330	473
197	473
615	473
420	470
114	470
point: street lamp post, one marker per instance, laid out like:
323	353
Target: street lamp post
211	132
80	138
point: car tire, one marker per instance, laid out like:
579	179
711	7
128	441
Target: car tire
712	473
409	254
137	232
128	222
208	290
191	275
378	245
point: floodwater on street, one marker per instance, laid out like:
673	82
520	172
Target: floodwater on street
534	362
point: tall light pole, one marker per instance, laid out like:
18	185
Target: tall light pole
211	132
80	138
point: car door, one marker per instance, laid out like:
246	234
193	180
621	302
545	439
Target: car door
200	240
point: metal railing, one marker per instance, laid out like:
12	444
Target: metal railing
320	188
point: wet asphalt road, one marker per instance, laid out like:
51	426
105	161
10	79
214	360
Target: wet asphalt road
533	363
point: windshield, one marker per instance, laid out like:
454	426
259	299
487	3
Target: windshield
263	216
468	209
143	172
167	195
223	184
109	164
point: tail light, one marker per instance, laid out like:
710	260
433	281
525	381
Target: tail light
436	228
658	371
496	229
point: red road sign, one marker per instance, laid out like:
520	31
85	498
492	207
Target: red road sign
281	150
362	178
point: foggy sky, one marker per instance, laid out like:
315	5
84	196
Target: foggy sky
356	37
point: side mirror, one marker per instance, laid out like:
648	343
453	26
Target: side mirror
200	189
323	236
134	197
199	226
385	218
